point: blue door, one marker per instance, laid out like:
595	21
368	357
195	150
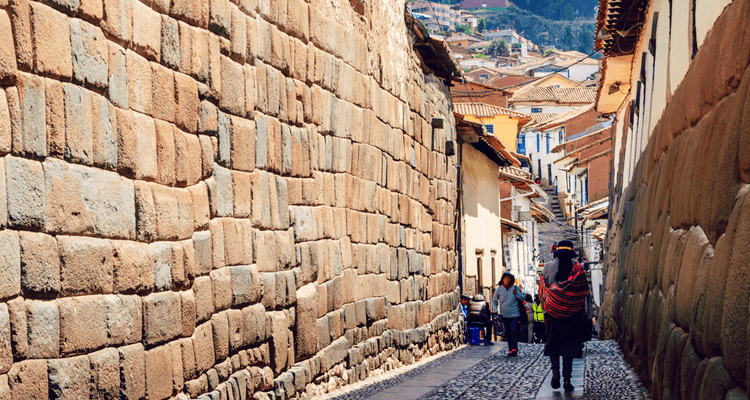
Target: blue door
521	144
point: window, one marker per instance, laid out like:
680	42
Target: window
559	137
536	110
538	141
484	76
490	128
479	275
521	144
546	136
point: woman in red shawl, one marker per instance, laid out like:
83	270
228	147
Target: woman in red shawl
566	299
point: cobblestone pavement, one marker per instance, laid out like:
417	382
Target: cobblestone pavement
487	373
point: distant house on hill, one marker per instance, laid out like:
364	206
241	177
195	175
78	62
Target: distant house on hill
481	74
476	92
471	4
463	40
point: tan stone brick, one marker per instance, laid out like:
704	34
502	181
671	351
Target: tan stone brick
132	371
207	156
188	103
243	144
78	125
204	300
51	34
118	20
177	267
220	326
159	372
40	264
140	89
188	313
162	317
200	206
221	286
163	95
146	31
165	205
83	324
7	54
242	194
105	374
204	347
26	103
43	321
190	265
104	131
86	266
133	267
185	214
198	53
28	380
55	117
214	66
189	369
165	153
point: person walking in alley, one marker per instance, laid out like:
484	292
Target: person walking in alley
528	335
564	292
479	315
540	334
505	302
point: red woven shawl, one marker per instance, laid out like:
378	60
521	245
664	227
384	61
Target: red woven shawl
567	298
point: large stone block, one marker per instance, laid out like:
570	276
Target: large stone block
90	53
132	372
162	317
158	363
82	200
255	324
118	92
170	43
69	378
29	380
25	191
124	319
243	285
203	346
105	374
86	266
147	31
83	324
279	341
221	286
133	267
139	82
6	351
51	35
220	326
10	265
163	101
306	320
188	109
104	130
43	322
204	299
7	54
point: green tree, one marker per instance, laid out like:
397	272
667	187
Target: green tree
481	25
498	47
568	12
463	29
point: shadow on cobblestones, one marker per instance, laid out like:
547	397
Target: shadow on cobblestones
608	375
499	377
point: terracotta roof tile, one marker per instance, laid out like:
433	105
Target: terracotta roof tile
580	95
487	110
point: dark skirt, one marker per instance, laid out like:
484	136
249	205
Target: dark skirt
564	336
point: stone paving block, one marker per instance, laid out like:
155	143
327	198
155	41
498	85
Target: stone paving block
86	266
69	378
132	372
105	374
51	35
162	317
158	368
124	319
83	324
90	53
43	321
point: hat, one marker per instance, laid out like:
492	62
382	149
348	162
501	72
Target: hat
565	249
478	297
465	297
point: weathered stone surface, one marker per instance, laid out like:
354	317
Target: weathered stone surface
86	200
28	380
124	319
6	351
162	317
132	372
306	320
25	188
83	324
90	54
105	374
69	378
43	321
86	265
10	264
159	372
51	36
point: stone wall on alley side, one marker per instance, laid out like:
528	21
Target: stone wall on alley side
677	273
218	199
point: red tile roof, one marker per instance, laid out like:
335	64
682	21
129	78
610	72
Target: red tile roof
580	95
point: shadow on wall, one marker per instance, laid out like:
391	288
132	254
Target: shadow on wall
678	276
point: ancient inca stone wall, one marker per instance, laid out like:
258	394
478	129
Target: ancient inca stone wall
215	199
677	274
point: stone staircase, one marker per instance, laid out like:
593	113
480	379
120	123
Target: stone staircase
553	204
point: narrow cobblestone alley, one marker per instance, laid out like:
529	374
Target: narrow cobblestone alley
484	372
